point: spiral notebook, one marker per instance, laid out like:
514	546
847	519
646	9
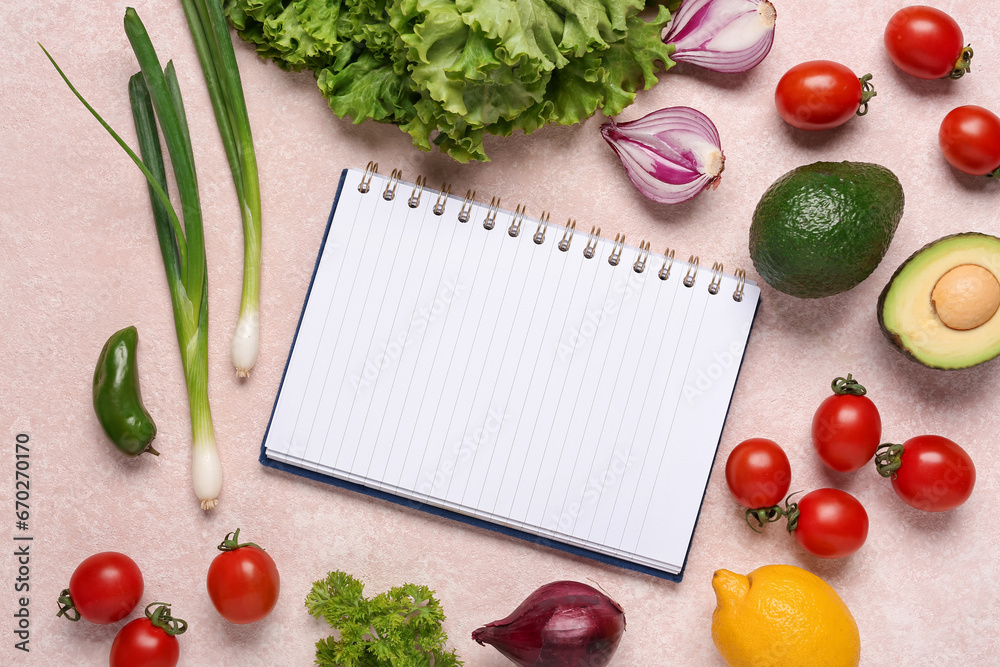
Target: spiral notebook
523	376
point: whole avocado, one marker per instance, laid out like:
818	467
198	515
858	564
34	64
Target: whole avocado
822	228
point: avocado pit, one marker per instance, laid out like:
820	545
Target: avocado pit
966	297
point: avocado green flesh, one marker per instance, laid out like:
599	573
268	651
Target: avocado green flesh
823	228
907	315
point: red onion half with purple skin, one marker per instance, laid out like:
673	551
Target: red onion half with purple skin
670	155
722	35
562	624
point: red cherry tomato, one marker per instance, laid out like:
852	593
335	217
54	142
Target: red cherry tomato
758	473
846	428
830	523
927	43
970	139
818	95
104	589
929	472
243	581
150	641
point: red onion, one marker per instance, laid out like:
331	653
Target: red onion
670	155
722	35
562	624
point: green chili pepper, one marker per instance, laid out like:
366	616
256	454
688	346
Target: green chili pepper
117	399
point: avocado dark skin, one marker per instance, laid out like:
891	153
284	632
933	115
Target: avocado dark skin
822	228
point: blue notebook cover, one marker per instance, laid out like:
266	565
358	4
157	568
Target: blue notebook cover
431	509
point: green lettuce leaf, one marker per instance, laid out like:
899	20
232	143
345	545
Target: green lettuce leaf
368	89
321	21
449	71
525	29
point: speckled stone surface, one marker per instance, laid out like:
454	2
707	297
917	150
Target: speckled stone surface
79	260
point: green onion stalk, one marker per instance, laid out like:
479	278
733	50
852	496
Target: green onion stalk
155	95
210	33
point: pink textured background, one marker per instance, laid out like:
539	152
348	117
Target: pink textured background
79	260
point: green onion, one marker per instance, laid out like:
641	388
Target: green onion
155	95
222	77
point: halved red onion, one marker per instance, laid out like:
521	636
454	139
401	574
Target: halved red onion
670	155
722	35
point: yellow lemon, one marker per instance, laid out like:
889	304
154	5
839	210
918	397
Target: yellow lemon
782	616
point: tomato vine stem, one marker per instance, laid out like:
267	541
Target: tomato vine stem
791	512
66	606
963	64
763	515
161	618
888	459
867	92
847	385
232	542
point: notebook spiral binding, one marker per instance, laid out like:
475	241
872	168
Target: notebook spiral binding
595	233
567	235
515	224
692	271
640	261
543	224
569	231
418	190
466	210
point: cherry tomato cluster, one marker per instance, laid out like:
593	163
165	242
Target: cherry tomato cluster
923	42
928	472
104	589
243	585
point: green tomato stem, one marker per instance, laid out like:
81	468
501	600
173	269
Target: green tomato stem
963	64
232	542
66	606
763	515
888	459
791	512
161	618
867	92
848	385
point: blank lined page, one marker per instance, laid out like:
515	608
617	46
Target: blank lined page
573	392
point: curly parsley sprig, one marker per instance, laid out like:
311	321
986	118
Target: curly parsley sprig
398	628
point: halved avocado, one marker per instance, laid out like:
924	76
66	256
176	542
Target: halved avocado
942	306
